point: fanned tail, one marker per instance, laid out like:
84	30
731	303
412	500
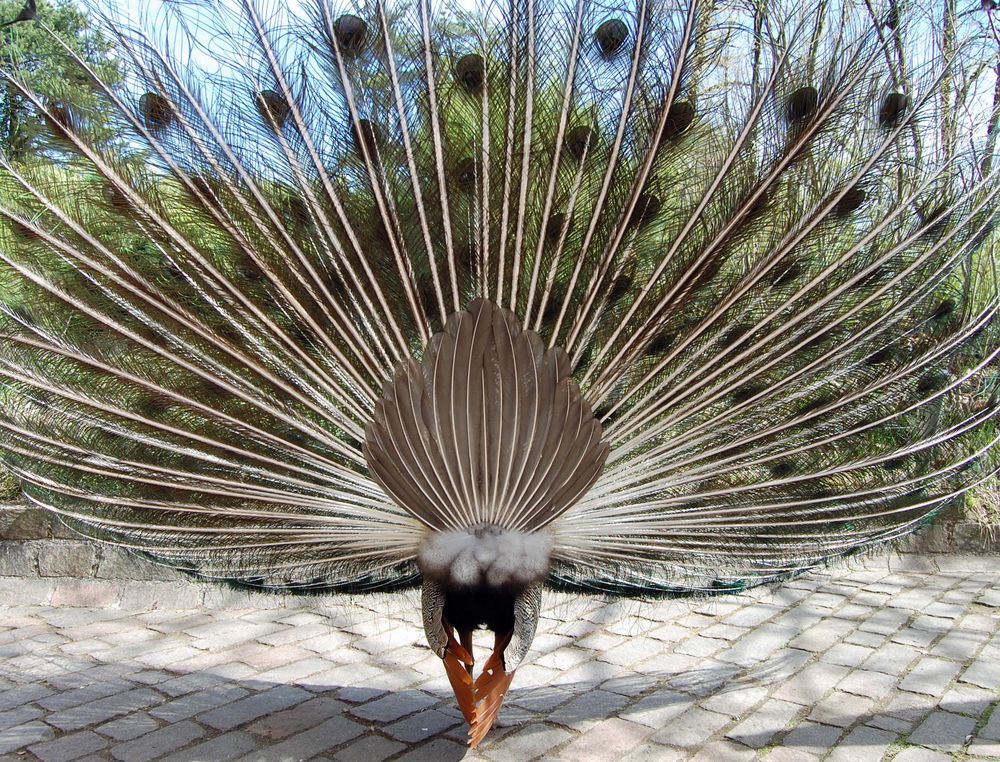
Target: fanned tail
763	236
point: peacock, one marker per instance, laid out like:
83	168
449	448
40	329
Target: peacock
640	298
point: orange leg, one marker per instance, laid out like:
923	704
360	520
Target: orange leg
466	640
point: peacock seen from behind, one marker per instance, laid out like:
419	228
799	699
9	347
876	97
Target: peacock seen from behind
643	298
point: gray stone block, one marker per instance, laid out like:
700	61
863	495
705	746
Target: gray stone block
66	558
116	563
17	559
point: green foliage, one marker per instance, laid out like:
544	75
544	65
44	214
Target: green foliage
9	487
43	64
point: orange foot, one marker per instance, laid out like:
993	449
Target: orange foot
479	700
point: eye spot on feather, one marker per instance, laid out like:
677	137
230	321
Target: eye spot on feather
155	111
881	356
115	199
783	469
471	72
364	137
734	334
754	208
465	174
746	393
59	119
801	104
647	206
554	228
273	108
620	287
680	116
893	108
788	271
610	36
660	343
944	309
934	220
933	381
814	405
351	34
578	141
896	464
850	202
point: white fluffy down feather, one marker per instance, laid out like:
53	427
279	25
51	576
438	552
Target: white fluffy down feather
485	553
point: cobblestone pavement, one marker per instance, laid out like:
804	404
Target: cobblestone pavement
896	660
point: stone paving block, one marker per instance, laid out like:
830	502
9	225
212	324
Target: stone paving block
735	702
306	715
960	645
295	671
18	716
812	738
158	743
874	685
841	709
819	639
12	698
658	709
783	754
892	658
724	751
863	744
812	683
915	754
128	727
369	749
911	636
930	676
539	699
68	747
760	727
980	749
847	655
991	730
309	743
194	703
751	616
885	621
692	729
104	709
421	726
609	739
250	708
757	645
648	752
700	646
394	706
944	731
982	672
224	748
863	638
435	751
589	708
20	736
967	699
632	652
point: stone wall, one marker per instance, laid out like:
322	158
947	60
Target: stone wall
33	543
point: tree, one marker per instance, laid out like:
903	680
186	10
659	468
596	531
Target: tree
31	54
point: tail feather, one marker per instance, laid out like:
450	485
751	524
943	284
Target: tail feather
763	237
